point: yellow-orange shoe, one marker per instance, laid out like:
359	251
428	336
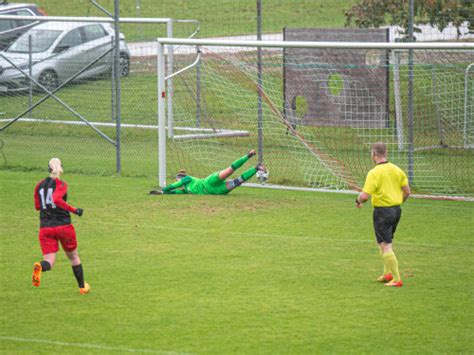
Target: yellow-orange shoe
393	283
36	278
385	278
85	289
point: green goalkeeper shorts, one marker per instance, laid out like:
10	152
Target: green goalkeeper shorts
214	185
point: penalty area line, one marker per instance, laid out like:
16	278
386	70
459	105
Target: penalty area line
194	231
84	345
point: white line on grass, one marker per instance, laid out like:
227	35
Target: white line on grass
321	190
193	231
146	224
85	345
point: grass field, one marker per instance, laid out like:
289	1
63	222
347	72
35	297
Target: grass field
257	271
216	17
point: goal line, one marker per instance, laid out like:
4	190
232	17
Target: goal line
352	192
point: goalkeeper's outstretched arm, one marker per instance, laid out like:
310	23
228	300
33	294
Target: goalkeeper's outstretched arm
174	187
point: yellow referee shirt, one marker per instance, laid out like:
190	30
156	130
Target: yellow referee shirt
384	183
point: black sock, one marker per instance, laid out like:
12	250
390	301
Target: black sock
45	266
79	274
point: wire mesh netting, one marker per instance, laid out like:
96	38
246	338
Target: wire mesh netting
74	61
320	119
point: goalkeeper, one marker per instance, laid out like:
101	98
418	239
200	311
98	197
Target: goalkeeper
214	184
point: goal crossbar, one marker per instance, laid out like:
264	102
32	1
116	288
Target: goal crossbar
324	44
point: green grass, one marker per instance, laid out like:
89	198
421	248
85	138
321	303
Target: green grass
216	17
257	271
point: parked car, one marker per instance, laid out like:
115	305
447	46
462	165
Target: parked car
12	29
59	50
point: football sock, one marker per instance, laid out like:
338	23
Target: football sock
248	174
79	274
390	260
45	266
385	270
232	184
239	162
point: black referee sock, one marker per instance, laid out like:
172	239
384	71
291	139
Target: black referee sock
45	266
79	274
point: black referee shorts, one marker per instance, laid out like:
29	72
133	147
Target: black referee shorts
385	222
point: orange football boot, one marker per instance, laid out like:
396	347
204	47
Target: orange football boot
393	283
85	289
385	278
36	279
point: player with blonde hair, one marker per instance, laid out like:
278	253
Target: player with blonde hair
55	168
55	225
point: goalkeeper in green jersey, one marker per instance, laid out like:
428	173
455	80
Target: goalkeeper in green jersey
214	184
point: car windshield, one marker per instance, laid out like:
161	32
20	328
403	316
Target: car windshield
41	40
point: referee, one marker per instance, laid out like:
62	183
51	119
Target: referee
388	186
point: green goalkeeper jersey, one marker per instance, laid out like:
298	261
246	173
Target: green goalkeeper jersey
211	185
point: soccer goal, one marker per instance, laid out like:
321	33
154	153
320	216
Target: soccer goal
313	109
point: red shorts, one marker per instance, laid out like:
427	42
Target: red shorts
49	237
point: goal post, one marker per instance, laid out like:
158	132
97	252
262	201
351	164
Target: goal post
469	107
217	87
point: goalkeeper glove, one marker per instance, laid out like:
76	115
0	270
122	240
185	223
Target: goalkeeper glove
79	211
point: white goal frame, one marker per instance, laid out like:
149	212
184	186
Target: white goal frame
467	127
163	76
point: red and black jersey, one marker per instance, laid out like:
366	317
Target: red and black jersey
50	200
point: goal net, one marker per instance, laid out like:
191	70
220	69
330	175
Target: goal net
314	109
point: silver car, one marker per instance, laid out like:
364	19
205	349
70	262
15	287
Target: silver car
58	51
12	29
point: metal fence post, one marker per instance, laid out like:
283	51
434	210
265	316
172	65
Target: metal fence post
410	97
112	81
467	122
30	71
198	94
117	84
439	119
260	82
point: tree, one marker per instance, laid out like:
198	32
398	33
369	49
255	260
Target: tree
440	13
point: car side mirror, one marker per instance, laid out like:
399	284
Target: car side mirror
60	49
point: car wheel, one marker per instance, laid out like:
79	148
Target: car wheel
124	64
49	80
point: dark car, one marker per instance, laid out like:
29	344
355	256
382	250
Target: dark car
12	29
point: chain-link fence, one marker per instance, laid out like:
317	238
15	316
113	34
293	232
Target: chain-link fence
79	122
59	98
